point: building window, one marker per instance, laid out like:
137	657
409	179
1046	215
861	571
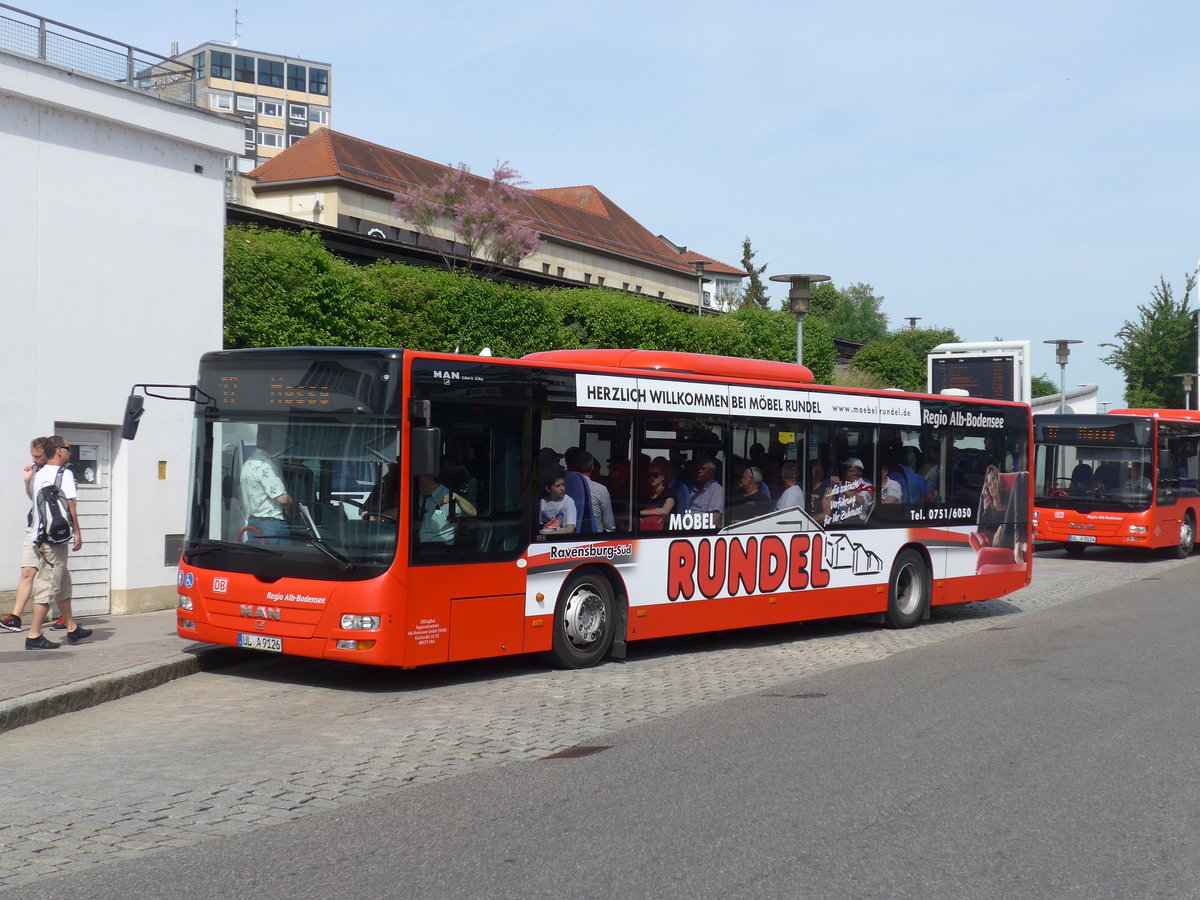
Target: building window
221	62
587	277
221	101
243	69
270	73
250	136
638	288
600	280
297	77
318	116
297	113
246	105
295	138
267	108
545	268
270	139
625	286
661	295
562	273
245	164
198	64
318	81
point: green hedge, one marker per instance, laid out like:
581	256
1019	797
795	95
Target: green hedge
283	288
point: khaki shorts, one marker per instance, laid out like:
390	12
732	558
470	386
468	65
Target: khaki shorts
29	557
53	580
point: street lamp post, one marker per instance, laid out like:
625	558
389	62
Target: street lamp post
1104	405
1188	379
912	322
700	264
799	298
1062	350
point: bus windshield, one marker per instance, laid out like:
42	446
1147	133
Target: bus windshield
1094	477
312	496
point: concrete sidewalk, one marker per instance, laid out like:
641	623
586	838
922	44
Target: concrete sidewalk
125	654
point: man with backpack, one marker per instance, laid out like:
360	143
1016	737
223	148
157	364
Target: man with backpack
29	560
55	525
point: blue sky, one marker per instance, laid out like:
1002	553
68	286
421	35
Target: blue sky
1023	171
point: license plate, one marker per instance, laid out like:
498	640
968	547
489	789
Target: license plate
260	642
1075	538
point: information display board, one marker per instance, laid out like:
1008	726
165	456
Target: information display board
993	376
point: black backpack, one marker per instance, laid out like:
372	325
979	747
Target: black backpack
54	514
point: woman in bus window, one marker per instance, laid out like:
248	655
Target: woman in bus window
657	501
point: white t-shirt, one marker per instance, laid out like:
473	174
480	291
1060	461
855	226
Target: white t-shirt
891	491
45	476
793	496
558	514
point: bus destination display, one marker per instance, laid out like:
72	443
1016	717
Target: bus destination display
979	376
273	390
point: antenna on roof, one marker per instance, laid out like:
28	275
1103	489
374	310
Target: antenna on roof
237	25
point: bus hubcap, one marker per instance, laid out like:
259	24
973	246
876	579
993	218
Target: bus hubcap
583	617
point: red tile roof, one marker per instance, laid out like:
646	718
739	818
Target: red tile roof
581	215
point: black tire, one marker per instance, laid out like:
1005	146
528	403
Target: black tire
908	590
1075	549
584	621
1187	537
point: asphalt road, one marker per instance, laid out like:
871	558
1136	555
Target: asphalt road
1048	753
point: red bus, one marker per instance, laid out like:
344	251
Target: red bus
1125	479
414	521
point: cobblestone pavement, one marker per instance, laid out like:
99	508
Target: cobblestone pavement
270	740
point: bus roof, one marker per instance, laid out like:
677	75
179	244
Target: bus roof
1181	415
674	361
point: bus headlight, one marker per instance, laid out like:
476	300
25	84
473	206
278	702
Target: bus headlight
185	602
1138	529
360	623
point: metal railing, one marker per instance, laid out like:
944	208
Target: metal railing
81	51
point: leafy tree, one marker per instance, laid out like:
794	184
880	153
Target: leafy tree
1042	386
1153	348
853	313
900	358
481	213
755	293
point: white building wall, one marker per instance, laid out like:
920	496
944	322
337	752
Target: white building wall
112	240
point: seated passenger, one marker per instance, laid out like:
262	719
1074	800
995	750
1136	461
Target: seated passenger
707	494
557	513
793	495
891	492
433	512
1081	480
656	500
752	501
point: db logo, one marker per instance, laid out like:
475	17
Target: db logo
1059	514
220	585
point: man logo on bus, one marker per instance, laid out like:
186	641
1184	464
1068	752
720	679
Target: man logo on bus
729	566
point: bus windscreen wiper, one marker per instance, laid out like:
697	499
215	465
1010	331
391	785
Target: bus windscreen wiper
315	540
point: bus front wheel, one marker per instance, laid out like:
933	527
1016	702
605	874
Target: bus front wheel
1187	537
908	590
584	622
1075	549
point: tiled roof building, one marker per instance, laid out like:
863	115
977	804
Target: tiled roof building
334	179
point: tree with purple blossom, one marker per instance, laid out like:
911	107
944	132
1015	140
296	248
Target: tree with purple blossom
483	214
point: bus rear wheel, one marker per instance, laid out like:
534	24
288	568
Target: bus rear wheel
584	622
908	590
1187	537
1075	549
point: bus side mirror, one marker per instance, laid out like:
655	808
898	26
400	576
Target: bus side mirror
426	450
133	416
